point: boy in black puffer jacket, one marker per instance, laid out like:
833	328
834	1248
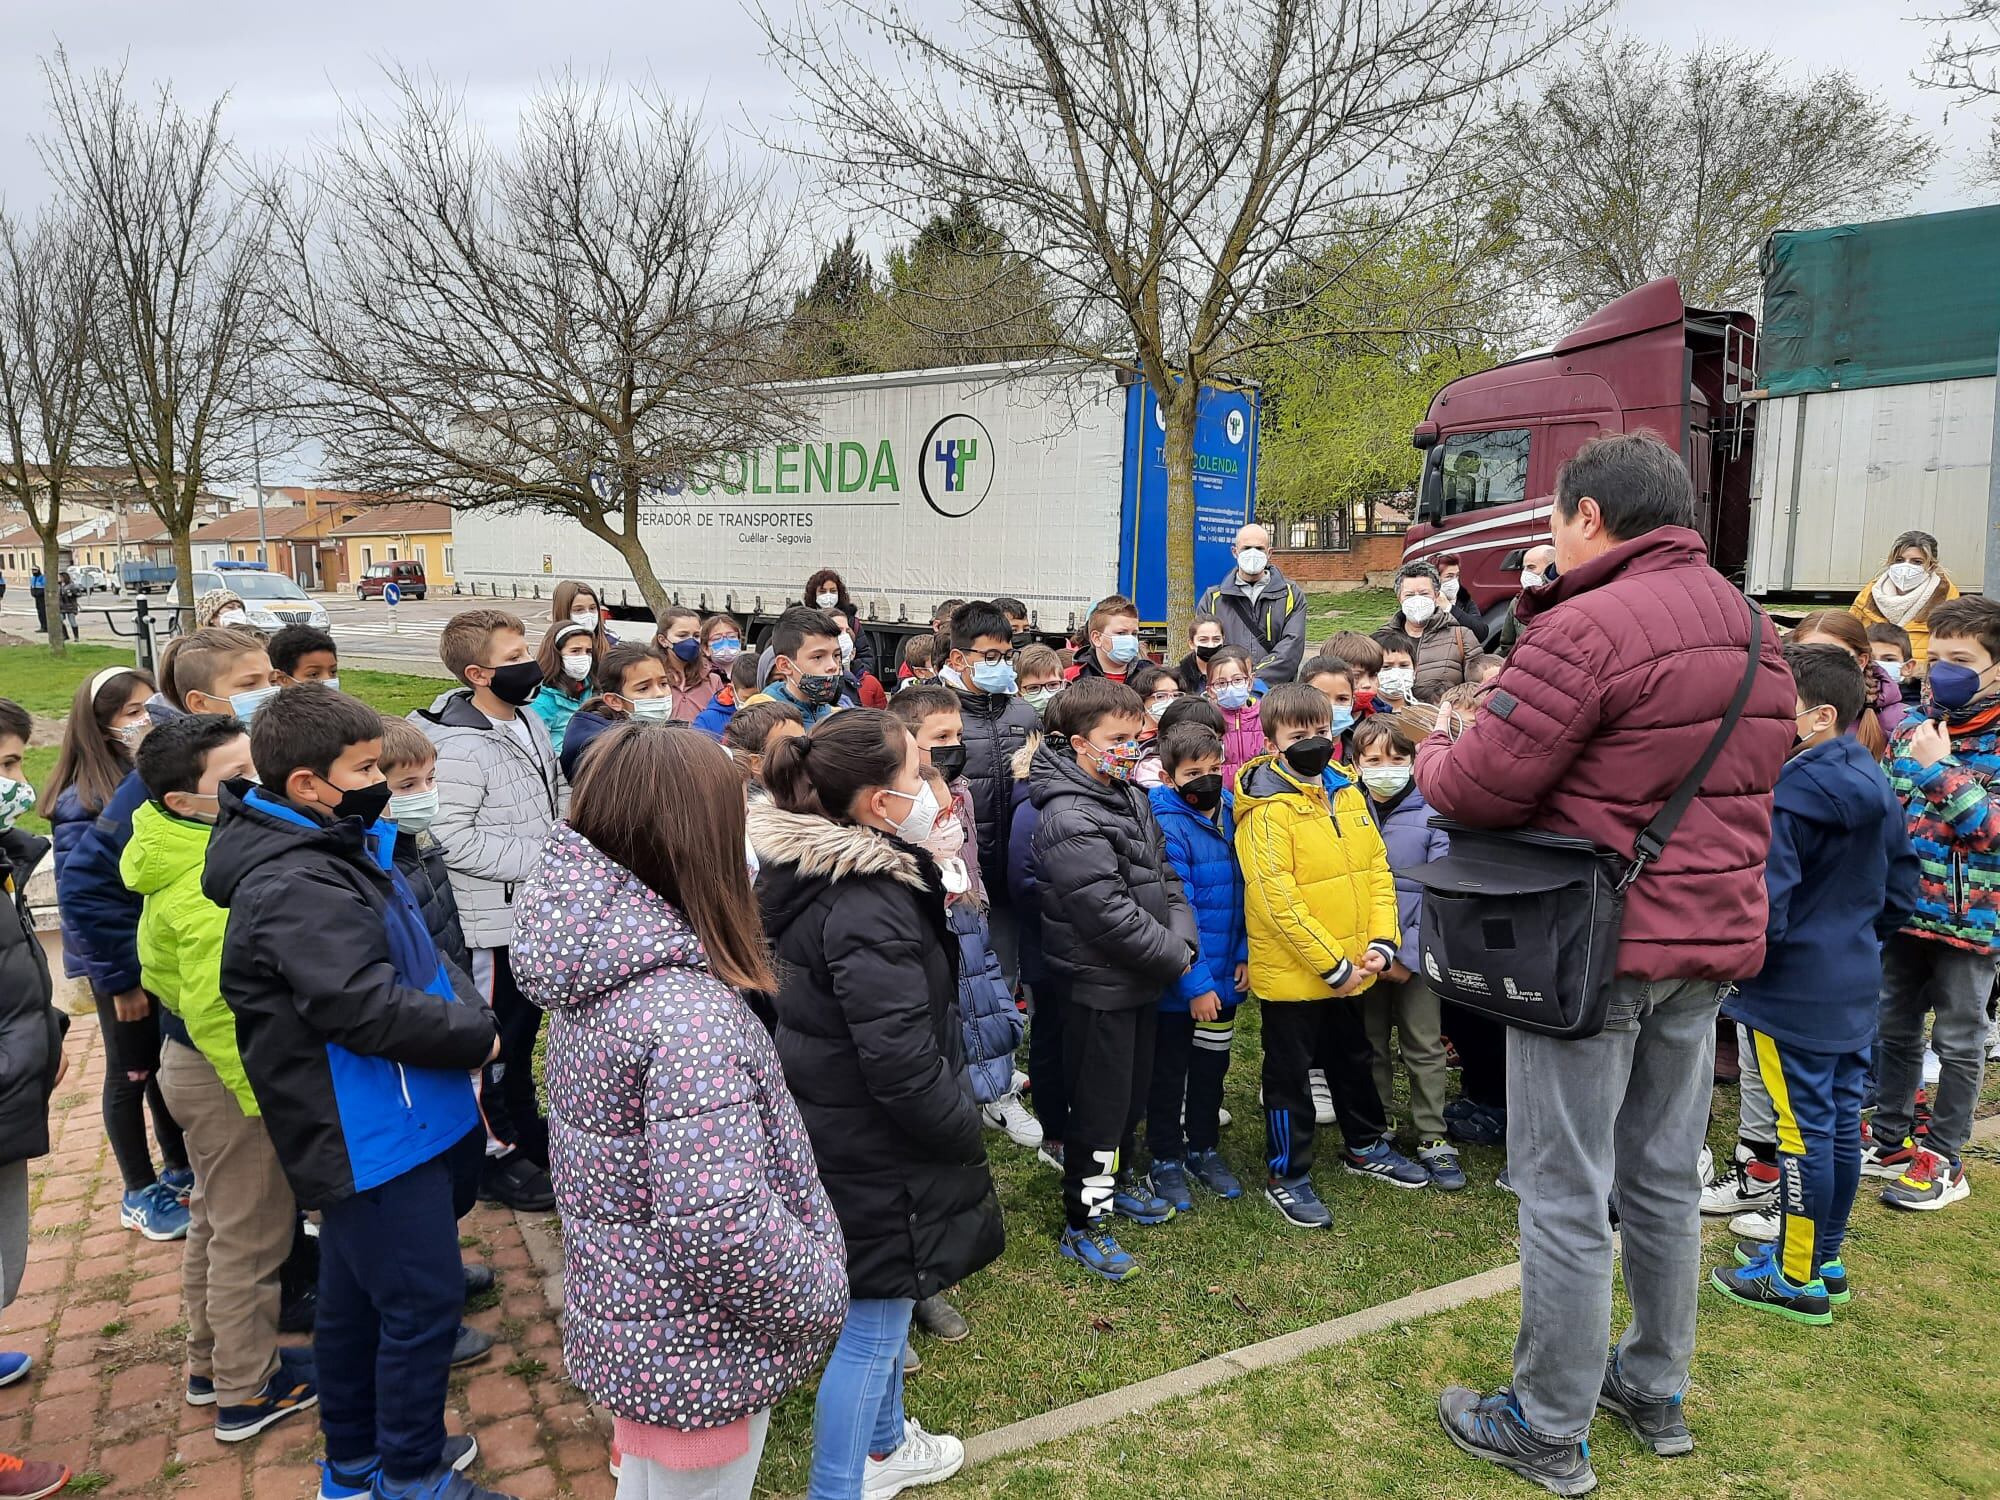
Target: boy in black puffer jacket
1116	930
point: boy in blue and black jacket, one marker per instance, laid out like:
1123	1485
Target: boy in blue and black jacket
1198	1011
1842	879
358	1048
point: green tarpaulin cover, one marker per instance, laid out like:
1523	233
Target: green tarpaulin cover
1894	302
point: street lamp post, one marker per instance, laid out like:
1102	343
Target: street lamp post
257	472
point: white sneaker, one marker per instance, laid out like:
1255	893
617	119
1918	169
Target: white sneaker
1933	1070
1749	1184
1020	1082
924	1458
1224	1118
1761	1226
1322	1097
1704	1166
1008	1113
1993	1040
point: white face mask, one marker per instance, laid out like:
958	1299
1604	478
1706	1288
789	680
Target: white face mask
1385	781
1397	682
922	817
827	599
1418	608
587	618
846	649
576	666
232	617
652	708
331	684
1252	561
1450	591
1904	576
413	811
1530	579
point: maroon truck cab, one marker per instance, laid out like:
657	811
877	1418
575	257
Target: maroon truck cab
1494	440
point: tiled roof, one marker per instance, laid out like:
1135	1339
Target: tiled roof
399	519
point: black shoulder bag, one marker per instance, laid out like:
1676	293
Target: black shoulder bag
1523	926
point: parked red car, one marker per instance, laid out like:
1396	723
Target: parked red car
407	575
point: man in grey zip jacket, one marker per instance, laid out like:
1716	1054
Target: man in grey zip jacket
1260	609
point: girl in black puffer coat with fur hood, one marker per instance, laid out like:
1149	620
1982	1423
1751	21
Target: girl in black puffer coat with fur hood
868	1032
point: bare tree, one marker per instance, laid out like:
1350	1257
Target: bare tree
568	327
1156	163
182	333
1635	162
48	290
1965	63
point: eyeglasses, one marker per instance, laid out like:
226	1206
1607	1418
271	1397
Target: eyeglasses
1161	697
1004	654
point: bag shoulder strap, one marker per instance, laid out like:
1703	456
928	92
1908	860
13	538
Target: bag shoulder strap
1652	839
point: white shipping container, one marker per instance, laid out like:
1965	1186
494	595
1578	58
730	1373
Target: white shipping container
868	489
1841	473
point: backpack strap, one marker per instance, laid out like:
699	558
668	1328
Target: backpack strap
1652	840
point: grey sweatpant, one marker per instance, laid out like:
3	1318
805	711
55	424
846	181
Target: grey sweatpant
13	1229
1624	1110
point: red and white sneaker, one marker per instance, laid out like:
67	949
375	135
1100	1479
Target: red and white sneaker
1878	1160
1747	1186
1930	1181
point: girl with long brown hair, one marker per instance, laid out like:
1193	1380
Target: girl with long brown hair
706	1293
1884	711
570	659
579	602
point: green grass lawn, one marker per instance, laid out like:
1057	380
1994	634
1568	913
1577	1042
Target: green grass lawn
1365	610
1896	1398
45	684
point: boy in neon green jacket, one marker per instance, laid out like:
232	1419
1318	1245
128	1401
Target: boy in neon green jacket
242	1210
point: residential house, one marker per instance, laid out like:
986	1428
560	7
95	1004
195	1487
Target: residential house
419	529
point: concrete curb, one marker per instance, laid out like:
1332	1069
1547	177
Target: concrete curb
544	1245
1098	1411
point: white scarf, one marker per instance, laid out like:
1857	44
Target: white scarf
1900	609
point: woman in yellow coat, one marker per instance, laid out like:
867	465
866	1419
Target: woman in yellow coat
1906	591
1320	905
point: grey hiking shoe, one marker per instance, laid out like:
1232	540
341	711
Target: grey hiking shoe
1660	1425
1492	1428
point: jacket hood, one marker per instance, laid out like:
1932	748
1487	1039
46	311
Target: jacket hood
1023	759
1268	778
1168	803
255	828
1273	578
799	854
1836	783
590	926
1053	773
162	849
452	709
1657	550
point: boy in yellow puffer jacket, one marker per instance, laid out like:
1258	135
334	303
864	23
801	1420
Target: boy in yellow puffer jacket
1321	909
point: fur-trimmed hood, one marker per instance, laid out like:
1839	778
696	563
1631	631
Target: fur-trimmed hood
1025	757
821	849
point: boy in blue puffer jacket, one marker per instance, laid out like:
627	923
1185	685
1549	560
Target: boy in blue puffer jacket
1384	757
1198	1012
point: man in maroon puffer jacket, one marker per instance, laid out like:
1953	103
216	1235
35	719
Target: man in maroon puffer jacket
1625	666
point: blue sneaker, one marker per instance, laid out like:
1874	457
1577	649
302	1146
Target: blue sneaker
1492	1428
1504	1182
1095	1250
1832	1273
200	1391
336	1483
155	1212
1299	1202
1213	1173
1385	1163
1447	1176
1762	1286
1475	1124
180	1180
15	1367
1133	1200
1169	1181
442	1483
290	1390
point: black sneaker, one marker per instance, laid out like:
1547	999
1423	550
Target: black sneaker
290	1390
1299	1202
478	1277
512	1181
1660	1425
1492	1428
470	1346
299	1314
1832	1273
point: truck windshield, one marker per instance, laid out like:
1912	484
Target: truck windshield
1482	469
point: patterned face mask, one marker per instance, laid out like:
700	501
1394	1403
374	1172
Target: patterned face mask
16	797
1116	761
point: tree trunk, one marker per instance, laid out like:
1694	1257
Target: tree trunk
184	576
1178	406
51	589
639	565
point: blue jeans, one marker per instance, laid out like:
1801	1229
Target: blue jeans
860	1406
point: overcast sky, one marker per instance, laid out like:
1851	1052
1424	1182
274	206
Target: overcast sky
286	67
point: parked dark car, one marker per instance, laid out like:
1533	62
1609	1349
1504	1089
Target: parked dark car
407	575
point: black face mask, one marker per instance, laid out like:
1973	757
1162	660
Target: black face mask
1203	794
1206	653
364	802
949	760
1310	757
517	682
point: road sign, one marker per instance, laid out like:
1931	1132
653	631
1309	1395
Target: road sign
392	594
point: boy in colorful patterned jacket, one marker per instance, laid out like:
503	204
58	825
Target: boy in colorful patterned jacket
1943	764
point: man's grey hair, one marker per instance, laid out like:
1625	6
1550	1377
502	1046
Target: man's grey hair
1420	570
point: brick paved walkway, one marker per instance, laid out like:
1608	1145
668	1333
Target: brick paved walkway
100	1311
